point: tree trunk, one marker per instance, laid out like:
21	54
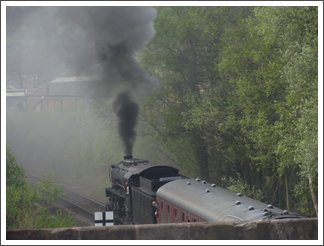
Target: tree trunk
287	191
279	193
311	187
201	154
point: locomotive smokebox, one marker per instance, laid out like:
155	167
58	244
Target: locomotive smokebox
128	157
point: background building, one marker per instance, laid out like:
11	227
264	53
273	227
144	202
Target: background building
70	90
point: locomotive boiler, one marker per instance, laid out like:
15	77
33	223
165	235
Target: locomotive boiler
136	183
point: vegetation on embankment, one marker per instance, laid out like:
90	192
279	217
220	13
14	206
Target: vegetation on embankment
26	204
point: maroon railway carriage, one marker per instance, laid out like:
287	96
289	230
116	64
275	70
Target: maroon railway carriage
190	200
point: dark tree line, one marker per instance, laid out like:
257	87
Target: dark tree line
237	101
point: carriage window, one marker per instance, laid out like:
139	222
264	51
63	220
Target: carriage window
168	209
162	205
194	220
175	213
183	217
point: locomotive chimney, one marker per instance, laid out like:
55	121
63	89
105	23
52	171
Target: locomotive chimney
128	157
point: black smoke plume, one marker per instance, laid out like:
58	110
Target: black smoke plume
127	112
114	35
110	36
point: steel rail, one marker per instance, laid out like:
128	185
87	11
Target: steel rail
90	212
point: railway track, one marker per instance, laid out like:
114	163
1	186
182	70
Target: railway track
80	206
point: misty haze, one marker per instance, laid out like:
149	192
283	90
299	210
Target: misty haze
226	94
86	55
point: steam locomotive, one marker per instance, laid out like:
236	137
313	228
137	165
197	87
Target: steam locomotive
136	183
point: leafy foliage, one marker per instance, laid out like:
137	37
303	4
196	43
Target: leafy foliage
26	204
302	193
15	174
239	186
238	95
182	55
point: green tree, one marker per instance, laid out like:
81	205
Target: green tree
252	66
182	55
250	114
296	32
271	59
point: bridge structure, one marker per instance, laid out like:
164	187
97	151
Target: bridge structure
287	229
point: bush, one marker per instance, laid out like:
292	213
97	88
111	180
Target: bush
15	174
26	204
